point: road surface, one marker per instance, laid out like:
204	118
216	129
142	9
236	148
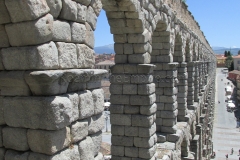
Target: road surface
225	133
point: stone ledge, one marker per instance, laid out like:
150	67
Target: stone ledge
55	82
49	82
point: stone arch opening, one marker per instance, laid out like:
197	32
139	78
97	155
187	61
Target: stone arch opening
190	72
183	144
179	56
196	77
198	51
198	66
165	78
185	147
194	51
188	50
178	49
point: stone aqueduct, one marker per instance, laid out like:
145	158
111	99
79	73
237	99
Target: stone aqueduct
51	101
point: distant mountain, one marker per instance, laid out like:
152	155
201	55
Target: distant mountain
217	50
221	50
104	49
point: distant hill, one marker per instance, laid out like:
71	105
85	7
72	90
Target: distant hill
110	49
221	50
218	48
104	49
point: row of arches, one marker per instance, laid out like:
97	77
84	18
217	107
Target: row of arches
161	83
148	32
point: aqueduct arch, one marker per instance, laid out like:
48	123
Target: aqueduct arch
51	102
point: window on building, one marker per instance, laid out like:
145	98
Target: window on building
239	62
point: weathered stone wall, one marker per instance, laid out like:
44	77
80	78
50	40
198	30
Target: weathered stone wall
51	100
162	86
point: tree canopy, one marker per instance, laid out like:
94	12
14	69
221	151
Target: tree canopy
229	60
227	53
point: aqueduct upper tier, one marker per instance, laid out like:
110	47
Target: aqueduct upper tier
51	101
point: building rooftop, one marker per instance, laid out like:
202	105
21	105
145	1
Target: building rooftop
237	56
220	56
235	72
106	62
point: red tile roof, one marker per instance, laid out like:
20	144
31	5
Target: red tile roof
238	56
106	62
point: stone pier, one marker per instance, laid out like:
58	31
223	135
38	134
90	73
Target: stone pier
51	98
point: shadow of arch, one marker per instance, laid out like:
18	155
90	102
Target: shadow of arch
188	50
178	49
183	143
200	52
184	147
179	56
194	51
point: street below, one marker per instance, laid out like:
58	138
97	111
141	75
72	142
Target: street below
226	135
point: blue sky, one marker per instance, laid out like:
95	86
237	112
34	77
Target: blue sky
219	20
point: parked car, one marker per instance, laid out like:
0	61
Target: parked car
231	101
225	70
231	107
228	90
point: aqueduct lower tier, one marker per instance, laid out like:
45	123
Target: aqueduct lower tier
51	101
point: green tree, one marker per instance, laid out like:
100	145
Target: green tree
229	53
229	61
225	54
232	67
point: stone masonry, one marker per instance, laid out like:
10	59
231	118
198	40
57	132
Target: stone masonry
51	101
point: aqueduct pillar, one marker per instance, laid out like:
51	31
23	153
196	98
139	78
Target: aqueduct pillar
51	101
